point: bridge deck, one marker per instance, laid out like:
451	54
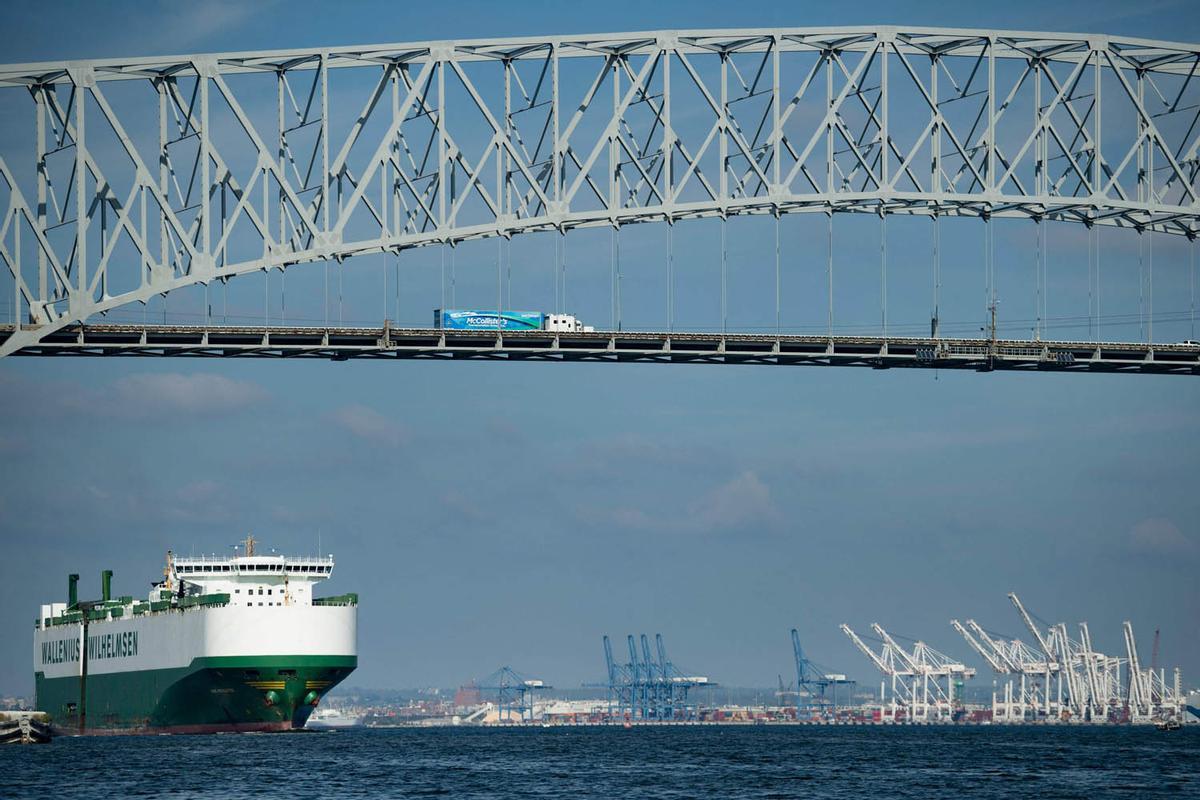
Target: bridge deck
386	342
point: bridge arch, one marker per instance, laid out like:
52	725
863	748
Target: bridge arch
145	175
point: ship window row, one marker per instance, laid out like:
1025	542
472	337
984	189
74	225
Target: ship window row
304	568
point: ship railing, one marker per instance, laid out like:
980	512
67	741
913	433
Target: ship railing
137	609
349	599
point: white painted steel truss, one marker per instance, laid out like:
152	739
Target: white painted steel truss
922	680
1067	680
145	175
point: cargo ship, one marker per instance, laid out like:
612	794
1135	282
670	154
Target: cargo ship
221	644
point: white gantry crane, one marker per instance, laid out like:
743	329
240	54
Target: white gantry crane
1061	679
1049	663
1103	676
1057	679
893	665
923	680
1150	697
1010	658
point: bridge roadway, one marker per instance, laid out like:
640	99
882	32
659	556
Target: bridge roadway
386	342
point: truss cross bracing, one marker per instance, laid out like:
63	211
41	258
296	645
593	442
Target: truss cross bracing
140	176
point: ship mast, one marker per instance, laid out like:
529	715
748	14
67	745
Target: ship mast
249	544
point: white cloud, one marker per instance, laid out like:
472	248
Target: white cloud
1162	537
173	392
186	25
196	21
745	500
741	502
199	501
198	491
367	423
137	395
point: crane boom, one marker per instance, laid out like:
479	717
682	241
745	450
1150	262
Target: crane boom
868	652
909	663
1137	693
1059	632
1154	665
798	652
1096	699
1043	643
647	659
633	659
989	657
1003	654
608	662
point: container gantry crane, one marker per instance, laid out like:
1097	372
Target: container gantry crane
812	681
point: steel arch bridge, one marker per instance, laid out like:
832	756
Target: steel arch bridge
136	177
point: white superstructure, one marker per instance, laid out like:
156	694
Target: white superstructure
252	580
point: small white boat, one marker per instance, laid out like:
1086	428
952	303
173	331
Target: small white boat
333	718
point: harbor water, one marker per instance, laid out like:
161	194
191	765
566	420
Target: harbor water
641	762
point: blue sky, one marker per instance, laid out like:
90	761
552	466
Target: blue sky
512	514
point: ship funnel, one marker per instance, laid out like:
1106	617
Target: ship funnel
72	590
106	585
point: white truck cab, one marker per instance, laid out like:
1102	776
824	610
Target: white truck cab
566	323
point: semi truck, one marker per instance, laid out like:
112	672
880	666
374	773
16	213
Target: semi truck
490	320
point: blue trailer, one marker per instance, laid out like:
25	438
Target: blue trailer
475	320
490	320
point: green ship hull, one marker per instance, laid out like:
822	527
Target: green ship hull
210	695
